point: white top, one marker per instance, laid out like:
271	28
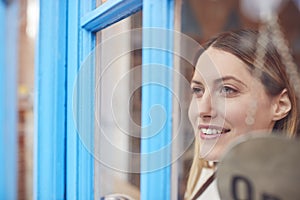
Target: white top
211	192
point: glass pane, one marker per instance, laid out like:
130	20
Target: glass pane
100	2
27	37
201	20
118	107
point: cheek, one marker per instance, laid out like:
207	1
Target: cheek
235	112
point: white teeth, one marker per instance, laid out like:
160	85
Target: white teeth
204	130
209	131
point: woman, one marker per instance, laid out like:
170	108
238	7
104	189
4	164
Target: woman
233	94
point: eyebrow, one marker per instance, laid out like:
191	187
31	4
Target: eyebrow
225	78
197	82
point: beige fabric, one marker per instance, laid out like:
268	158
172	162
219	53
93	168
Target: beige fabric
211	193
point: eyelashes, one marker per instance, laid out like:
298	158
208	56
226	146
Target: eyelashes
198	91
224	91
228	91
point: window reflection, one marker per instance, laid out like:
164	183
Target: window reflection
201	20
28	22
118	108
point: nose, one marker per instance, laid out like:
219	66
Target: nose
206	107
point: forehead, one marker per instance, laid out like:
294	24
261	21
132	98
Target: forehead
215	63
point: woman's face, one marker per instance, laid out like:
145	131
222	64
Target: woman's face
227	102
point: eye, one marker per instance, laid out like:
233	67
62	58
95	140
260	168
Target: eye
198	91
228	91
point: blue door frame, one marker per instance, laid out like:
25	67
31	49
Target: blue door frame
50	102
157	15
9	18
64	169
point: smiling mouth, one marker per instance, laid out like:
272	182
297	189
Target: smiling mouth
213	131
210	132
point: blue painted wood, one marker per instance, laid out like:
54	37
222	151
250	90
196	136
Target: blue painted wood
155	184
50	104
109	13
9	16
73	66
86	114
80	106
2	102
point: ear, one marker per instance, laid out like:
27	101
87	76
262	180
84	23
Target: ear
282	105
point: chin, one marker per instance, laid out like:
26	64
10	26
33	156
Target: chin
210	157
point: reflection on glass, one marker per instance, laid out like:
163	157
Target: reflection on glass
100	2
204	19
118	108
118	100
28	22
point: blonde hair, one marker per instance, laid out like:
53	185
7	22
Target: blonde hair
195	171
